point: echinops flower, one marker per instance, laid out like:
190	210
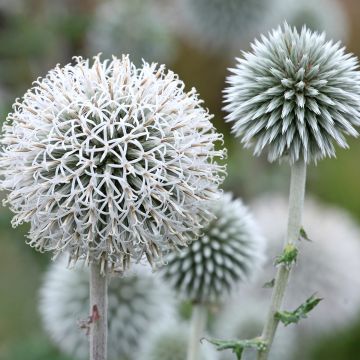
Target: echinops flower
326	264
230	250
108	161
295	95
319	15
136	27
168	341
136	301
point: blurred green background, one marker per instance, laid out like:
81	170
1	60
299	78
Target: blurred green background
35	35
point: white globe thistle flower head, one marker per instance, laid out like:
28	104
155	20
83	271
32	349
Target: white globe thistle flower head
295	96
243	317
320	15
108	161
168	341
229	251
325	266
218	25
136	301
137	27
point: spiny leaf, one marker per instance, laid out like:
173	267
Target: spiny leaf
293	317
270	284
238	346
303	235
288	255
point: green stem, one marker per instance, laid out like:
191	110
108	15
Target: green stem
296	202
198	324
98	313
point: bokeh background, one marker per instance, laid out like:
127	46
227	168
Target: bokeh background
199	42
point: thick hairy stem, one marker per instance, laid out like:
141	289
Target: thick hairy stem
198	323
98	313
296	202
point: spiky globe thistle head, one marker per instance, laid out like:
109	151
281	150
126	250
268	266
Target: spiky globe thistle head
169	341
295	96
136	300
137	27
230	250
108	161
243	317
320	15
326	265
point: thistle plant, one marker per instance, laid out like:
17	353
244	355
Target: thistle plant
294	96
136	300
168	341
228	252
137	27
109	162
333	234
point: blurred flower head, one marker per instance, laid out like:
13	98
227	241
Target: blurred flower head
137	27
108	161
222	24
319	15
168	341
295	95
230	250
136	301
325	266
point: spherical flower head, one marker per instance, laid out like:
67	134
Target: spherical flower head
295	95
169	341
108	161
137	27
136	301
326	265
230	250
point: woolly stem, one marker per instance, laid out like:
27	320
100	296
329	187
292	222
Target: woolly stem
296	202
198	323
98	313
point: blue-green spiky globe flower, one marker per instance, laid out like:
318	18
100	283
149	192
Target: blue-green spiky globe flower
229	251
295	95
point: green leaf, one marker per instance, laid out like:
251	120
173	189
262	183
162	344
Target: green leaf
303	235
269	285
293	317
238	346
288	256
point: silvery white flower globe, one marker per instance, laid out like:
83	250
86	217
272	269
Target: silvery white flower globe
136	301
137	27
222	24
230	250
295	96
108	161
168	341
325	266
319	15
243	317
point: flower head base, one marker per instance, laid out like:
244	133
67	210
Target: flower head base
137	300
229	251
295	95
108	161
